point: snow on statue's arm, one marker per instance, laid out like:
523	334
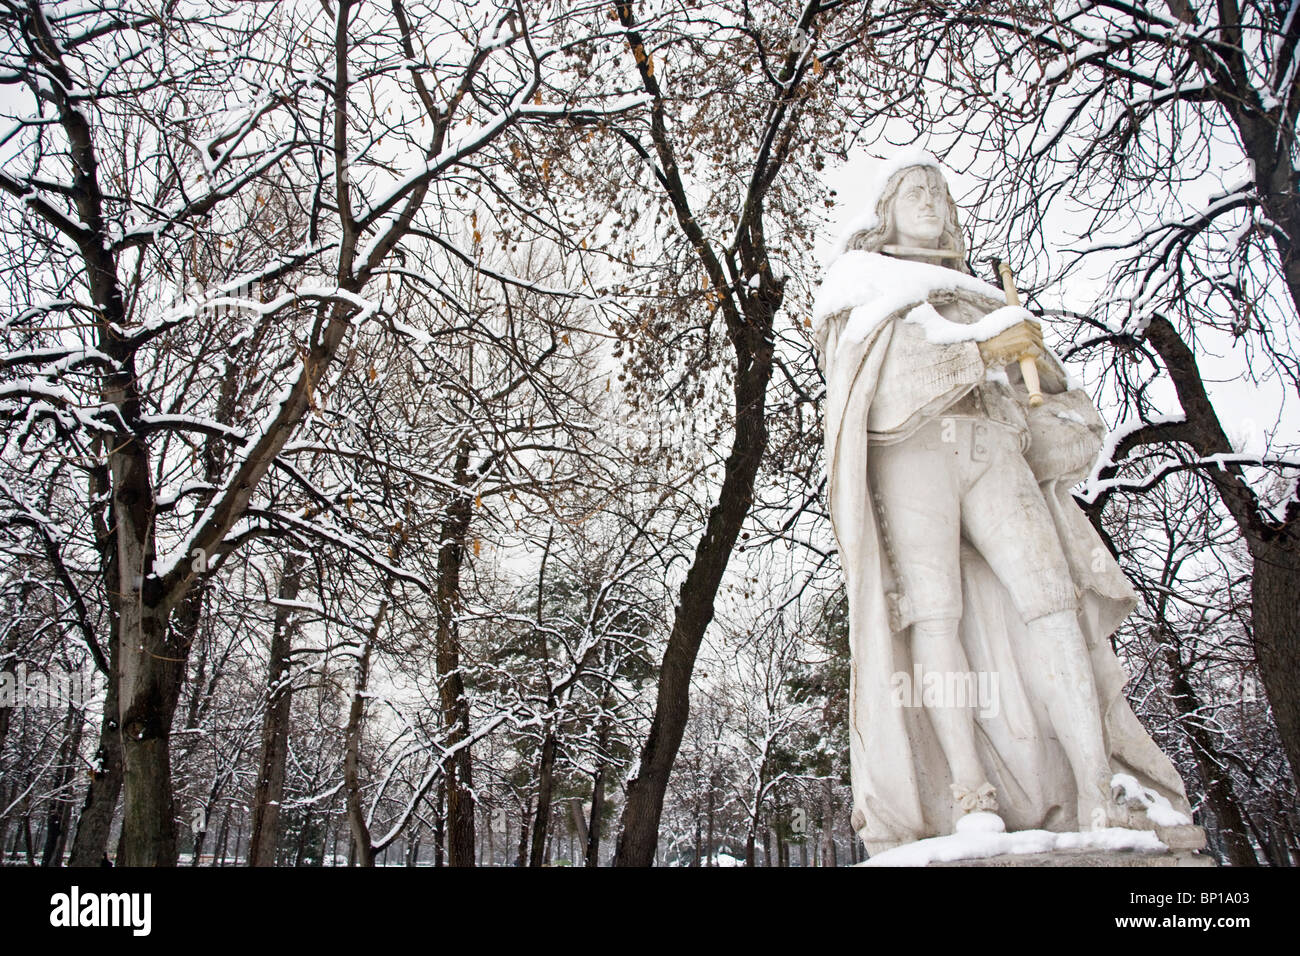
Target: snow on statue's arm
943	332
874	287
940	331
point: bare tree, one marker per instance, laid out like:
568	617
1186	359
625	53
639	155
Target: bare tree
138	142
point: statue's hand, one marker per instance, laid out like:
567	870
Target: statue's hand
1008	345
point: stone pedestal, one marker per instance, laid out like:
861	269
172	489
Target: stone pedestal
1135	858
974	845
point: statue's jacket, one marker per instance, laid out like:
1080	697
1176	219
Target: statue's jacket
886	377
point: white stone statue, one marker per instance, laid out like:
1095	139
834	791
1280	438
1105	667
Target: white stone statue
981	599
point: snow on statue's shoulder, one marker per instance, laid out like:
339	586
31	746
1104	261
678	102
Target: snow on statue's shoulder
875	286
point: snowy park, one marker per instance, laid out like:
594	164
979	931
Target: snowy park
700	434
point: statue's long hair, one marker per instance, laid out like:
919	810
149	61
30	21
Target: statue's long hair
874	239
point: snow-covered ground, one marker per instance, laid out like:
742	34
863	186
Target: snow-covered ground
979	845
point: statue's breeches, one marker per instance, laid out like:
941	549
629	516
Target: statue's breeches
958	478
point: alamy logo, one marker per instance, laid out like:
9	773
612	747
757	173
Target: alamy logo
75	909
962	689
20	688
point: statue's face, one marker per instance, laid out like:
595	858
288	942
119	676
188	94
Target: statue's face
920	210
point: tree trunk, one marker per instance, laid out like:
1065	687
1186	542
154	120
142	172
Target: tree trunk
645	792
455	706
1275	616
711	854
299	850
439	826
53	828
521	858
152	673
27	837
269	790
223	840
828	824
592	856
748	317
577	827
755	818
1219	790
56	830
334	841
541	824
5	799
152	677
200	837
1274	544
328	840
10	644
151	665
352	757
239	839
90	845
